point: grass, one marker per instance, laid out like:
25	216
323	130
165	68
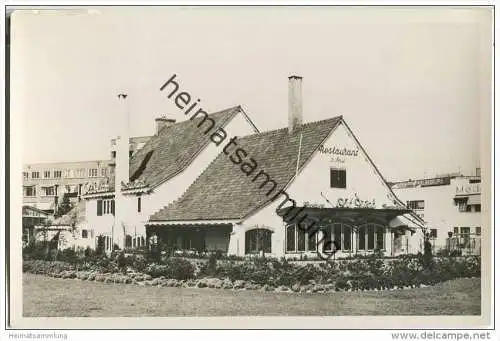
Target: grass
49	297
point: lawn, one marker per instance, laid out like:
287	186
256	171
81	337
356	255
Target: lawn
48	297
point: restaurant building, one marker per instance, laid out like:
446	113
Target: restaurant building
263	190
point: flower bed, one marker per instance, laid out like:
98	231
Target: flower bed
264	274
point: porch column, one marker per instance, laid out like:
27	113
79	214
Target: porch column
388	241
354	240
278	241
235	247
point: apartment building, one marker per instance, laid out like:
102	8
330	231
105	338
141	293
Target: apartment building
451	207
46	184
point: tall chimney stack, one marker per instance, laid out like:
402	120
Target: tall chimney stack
162	122
294	103
122	143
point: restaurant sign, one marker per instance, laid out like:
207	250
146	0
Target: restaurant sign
338	151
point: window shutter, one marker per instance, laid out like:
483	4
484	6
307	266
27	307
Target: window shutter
113	207
99	207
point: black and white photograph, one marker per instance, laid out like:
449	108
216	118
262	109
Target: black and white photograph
300	162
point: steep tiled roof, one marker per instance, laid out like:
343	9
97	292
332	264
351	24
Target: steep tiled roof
172	150
223	191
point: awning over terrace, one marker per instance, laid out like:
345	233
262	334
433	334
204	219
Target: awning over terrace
350	216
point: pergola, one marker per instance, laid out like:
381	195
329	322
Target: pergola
349	216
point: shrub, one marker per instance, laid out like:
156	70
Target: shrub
139	263
37	250
121	261
210	268
153	255
174	268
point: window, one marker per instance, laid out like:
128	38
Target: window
290	238
138	242
455	230
128	240
415	204
25	175
337	178
334	236
46	174
139	204
29	191
297	240
104	172
48	191
312	241
462	207
258	240
337	234
469	208
433	233
108	242
35	175
57	174
327	236
371	237
100	207
380	238
113	154
478	231
464	236
92	172
301	240
347	237
85	234
361	237
105	207
477	208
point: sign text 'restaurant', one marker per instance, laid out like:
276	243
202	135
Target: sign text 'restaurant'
338	151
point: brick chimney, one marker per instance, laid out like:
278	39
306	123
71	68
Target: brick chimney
162	122
294	103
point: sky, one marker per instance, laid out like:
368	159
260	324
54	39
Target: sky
412	83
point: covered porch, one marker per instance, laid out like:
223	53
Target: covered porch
349	231
190	237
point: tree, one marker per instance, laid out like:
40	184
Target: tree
64	207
